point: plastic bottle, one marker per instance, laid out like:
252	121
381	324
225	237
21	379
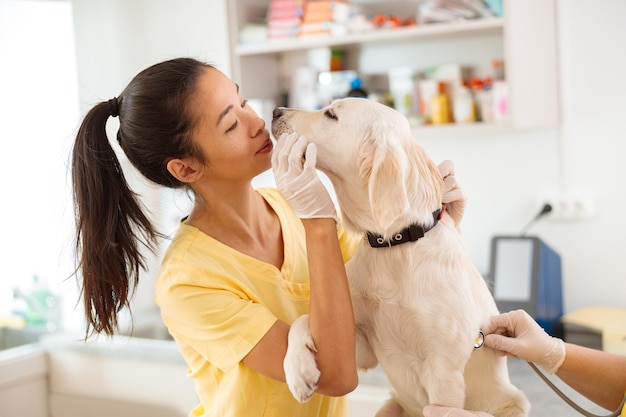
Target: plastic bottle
476	85
485	100
440	107
41	303
464	105
497	67
356	89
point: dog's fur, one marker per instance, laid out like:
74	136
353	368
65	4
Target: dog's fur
419	306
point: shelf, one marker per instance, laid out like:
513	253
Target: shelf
381	35
525	39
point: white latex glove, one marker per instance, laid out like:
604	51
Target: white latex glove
437	411
453	195
517	334
293	163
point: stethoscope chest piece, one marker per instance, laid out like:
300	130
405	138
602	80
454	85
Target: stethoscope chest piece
480	340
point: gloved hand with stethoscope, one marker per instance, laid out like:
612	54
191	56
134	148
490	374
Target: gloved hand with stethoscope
513	334
517	334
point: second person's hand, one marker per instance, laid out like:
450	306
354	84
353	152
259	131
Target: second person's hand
517	334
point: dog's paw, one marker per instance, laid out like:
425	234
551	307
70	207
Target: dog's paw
299	364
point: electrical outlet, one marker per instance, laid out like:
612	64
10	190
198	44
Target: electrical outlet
571	208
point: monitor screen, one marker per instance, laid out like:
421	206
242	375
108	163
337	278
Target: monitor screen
513	269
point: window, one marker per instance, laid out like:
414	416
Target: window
38	117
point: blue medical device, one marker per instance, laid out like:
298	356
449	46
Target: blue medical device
526	274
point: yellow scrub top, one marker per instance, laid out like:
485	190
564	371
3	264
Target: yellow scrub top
217	303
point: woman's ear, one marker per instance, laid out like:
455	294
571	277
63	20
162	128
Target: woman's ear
186	170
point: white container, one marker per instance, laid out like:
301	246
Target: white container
464	110
403	91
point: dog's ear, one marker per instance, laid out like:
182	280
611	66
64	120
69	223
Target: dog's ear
383	167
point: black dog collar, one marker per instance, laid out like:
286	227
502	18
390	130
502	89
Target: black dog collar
408	234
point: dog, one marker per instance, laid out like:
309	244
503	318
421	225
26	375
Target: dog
419	301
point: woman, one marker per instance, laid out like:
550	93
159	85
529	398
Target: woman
599	376
243	265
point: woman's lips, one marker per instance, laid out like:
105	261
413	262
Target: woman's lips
267	147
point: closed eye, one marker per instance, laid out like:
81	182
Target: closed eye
233	127
330	114
244	103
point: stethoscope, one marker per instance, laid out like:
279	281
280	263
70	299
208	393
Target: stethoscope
571	403
480	340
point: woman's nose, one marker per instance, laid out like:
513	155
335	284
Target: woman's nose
260	127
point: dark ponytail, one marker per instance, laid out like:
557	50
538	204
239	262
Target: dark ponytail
156	121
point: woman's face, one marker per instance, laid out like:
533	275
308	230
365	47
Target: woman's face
232	136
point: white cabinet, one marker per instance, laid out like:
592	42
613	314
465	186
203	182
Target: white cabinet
525	38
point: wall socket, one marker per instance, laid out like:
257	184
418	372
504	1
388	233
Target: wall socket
571	208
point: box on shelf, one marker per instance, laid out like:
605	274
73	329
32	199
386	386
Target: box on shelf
324	17
284	19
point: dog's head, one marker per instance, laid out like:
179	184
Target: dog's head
384	180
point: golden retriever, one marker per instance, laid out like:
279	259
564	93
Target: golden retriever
419	305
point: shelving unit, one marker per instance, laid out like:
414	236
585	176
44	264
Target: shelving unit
382	35
525	38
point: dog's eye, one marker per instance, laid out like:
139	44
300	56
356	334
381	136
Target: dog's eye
329	113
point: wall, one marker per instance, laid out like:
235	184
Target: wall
593	149
506	175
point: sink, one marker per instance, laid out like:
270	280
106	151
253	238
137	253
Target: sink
11	337
143	329
146	325
156	331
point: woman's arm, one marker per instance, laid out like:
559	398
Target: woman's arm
331	316
598	375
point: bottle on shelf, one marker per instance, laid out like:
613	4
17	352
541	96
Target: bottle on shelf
484	102
499	91
356	89
440	106
464	105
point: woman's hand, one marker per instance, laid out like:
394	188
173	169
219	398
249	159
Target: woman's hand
453	195
516	333
293	163
437	411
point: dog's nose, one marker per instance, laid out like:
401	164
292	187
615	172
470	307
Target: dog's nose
278	111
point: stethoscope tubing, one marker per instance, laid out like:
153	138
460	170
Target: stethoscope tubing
569	401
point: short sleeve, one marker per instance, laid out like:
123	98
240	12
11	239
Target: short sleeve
222	325
348	242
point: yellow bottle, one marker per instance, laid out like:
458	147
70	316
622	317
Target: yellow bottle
440	107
